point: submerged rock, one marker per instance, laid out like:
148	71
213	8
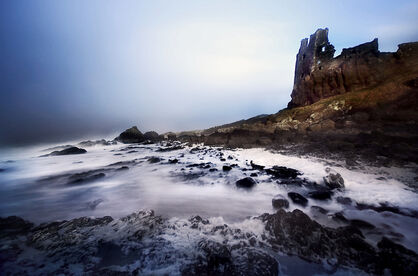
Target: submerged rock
247	183
298	199
279	201
283	172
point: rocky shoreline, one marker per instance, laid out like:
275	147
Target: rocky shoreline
145	243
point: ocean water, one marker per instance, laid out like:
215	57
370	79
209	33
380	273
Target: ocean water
38	188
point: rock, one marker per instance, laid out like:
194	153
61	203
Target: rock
101	142
84	177
256	167
13	226
339	217
318	209
395	257
246	182
196	220
298	199
226	168
361	224
131	135
319	75
253	175
67	151
151	136
283	172
334	181
173	161
280	201
344	200
320	195
154	159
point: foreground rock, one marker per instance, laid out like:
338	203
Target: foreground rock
246	183
67	151
131	135
295	233
334	181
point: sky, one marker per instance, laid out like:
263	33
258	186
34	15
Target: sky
75	69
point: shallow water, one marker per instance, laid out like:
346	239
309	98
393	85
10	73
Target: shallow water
36	188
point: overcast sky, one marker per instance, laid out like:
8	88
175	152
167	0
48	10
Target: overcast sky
74	69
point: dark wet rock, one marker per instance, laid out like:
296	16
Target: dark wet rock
361	224
256	167
253	174
131	135
386	207
339	217
334	181
398	259
13	226
344	200
132	151
170	148
294	232
200	165
320	195
101	142
173	161
298	198
279	201
67	151
283	172
226	168
319	209
123	168
213	169
151	136
84	177
246	182
230	157
222	159
154	159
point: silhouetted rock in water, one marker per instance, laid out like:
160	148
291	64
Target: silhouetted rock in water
101	142
173	161
247	183
226	168
298	198
79	178
385	207
334	181
344	200
154	159
319	210
283	172
361	224
13	225
280	201
131	135
256	167
67	151
152	136
320	195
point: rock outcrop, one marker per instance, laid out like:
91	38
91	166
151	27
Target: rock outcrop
131	135
319	75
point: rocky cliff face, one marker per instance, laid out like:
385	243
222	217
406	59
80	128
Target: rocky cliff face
319	75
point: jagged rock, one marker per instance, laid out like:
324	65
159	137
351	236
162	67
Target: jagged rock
246	182
154	159
334	181
131	135
279	201
298	198
67	151
319	75
320	195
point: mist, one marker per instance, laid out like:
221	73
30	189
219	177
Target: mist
76	69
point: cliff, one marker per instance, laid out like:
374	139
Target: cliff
360	104
319	75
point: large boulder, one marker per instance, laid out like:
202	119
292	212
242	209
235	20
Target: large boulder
279	201
247	183
131	135
152	136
